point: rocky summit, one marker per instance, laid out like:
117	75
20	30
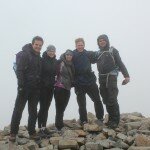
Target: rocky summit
133	133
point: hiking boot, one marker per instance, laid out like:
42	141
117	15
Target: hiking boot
108	123
34	136
99	122
83	123
113	125
42	134
12	137
46	132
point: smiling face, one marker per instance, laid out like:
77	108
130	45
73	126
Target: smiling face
80	46
68	57
102	43
37	46
51	53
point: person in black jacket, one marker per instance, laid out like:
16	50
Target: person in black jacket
109	64
47	87
85	81
28	75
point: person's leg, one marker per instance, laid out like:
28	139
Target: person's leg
32	109
61	100
81	100
93	93
17	112
48	100
112	104
42	106
45	101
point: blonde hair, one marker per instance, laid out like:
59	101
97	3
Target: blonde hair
79	40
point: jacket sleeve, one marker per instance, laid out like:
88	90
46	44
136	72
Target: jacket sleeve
120	64
92	56
21	67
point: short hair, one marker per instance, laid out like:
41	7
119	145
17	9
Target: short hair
79	40
37	38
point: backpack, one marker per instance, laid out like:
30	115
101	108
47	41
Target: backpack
18	58
106	62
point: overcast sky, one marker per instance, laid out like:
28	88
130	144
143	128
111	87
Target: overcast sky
60	22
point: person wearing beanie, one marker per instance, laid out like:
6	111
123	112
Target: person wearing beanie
109	64
85	82
47	88
64	80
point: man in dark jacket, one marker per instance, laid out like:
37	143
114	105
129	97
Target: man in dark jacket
85	82
109	64
47	87
28	75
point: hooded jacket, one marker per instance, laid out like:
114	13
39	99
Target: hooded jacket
29	68
65	73
119	64
48	70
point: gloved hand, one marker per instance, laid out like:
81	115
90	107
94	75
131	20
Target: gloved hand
20	90
125	81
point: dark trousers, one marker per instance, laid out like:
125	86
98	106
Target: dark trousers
93	92
109	93
46	96
32	96
61	101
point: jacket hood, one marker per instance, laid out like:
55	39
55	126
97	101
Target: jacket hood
27	47
46	56
105	38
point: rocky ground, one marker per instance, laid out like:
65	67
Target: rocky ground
133	133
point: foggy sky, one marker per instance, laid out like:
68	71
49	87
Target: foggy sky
60	22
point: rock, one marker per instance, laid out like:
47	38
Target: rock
132	125
121	136
69	123
23	134
146	132
142	140
91	117
31	146
92	128
132	118
44	143
121	144
6	131
55	140
23	128
132	132
65	143
129	140
80	140
106	143
82	147
93	146
138	148
70	134
22	141
80	133
100	137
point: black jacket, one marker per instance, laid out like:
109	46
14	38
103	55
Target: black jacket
83	71
29	68
48	70
118	62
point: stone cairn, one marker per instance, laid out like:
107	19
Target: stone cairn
133	133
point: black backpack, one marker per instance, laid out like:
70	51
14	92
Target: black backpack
106	62
18	58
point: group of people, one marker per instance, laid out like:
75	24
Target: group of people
39	79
